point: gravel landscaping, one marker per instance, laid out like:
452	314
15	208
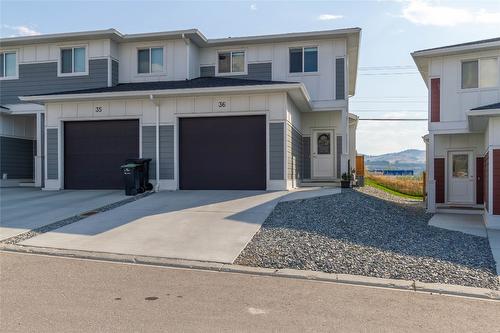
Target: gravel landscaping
371	233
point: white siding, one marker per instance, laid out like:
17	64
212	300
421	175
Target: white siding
18	126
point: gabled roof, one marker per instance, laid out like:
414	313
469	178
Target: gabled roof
193	87
421	57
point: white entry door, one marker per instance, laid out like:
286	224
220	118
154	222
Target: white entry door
322	154
461	180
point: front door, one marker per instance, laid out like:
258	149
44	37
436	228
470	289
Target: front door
322	154
461	177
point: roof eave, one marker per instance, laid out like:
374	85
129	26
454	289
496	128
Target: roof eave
455	49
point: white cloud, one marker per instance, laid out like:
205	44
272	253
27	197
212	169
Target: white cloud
329	17
21	30
253	7
425	13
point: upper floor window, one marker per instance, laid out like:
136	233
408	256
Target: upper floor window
8	65
150	60
231	62
303	59
73	60
481	73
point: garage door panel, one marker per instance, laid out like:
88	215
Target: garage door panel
95	150
223	153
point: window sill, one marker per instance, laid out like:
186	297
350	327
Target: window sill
304	74
7	78
72	74
231	74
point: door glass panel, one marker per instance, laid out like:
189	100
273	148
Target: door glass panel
323	144
460	166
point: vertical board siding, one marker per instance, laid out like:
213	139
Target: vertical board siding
294	153
479	181
339	78
114	72
42	145
52	153
306	158
166	150
339	156
16	157
41	78
486	181
439	177
276	151
260	71
496	181
435	100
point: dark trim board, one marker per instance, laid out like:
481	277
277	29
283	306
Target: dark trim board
222	153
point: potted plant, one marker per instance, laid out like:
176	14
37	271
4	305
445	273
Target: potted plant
346	180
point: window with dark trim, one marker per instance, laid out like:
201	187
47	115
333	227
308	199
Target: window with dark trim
303	59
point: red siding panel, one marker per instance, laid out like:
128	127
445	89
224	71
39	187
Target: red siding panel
435	100
479	180
486	181
496	182
439	177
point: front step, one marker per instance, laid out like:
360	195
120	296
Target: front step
333	183
460	210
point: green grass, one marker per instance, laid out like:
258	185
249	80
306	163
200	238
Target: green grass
372	183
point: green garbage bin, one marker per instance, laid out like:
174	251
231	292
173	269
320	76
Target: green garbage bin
132	178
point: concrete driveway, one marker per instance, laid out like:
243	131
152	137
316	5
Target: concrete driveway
24	208
196	225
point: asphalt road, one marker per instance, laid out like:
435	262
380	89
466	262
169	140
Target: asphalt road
50	294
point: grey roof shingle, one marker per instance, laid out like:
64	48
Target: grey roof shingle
488	107
201	82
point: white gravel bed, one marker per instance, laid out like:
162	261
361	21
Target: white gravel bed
356	233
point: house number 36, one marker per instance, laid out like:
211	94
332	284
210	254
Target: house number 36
222	104
98	109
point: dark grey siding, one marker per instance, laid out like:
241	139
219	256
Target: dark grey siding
339	155
16	157
259	71
52	154
207	71
294	153
166	150
41	78
42	145
306	157
339	78
114	72
276	151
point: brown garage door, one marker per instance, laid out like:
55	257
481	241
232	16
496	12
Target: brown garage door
223	153
95	150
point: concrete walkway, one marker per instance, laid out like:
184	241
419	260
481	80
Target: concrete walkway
472	225
25	208
195	225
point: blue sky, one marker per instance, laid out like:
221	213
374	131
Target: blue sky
388	83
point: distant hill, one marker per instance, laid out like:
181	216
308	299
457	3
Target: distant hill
410	159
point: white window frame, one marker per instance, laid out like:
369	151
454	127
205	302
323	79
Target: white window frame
231	51
73	47
478	74
164	70
303	47
15	77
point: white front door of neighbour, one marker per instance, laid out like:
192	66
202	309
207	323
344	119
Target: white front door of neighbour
461	180
322	154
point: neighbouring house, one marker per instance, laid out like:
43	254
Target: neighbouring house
463	144
262	112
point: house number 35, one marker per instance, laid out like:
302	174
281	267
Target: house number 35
98	109
222	104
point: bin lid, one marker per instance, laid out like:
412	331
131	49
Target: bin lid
138	160
130	166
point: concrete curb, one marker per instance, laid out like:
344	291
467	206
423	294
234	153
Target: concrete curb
415	286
